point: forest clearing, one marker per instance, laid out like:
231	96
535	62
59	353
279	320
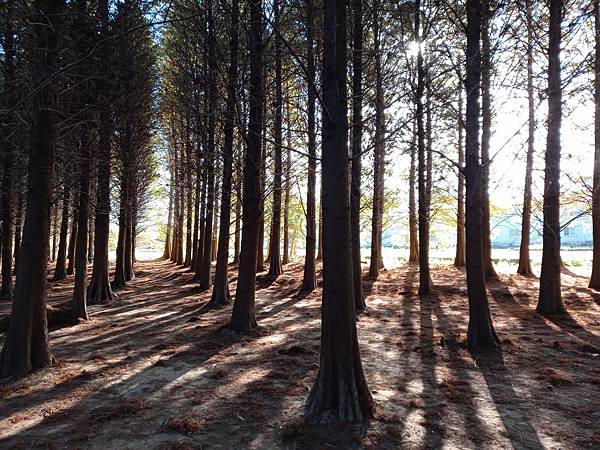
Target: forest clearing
157	371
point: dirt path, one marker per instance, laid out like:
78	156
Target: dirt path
154	371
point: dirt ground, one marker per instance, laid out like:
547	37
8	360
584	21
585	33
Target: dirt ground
156	371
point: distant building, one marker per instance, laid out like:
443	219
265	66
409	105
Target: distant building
506	231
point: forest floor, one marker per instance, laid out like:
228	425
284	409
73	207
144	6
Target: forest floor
155	371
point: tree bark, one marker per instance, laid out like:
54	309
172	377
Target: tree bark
480	333
220	294
119	276
60	271
26	344
595	278
550	300
357	135
72	236
243	319
340	393
413	253
460	258
524	260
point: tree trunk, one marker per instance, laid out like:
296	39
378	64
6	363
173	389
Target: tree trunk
128	252
424	271
413	253
260	262
18	229
119	276
378	152
340	393
550	301
243	319
73	235
524	260
220	294
26	342
486	134
460	258
238	221
595	277
195	233
188	200
309	281
480	333
55	232
60	271
79	299
357	134
275	268
286	198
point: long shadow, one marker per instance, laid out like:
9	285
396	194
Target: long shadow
515	419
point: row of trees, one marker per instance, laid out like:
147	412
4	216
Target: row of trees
238	106
78	122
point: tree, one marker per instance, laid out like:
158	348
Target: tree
26	344
550	299
459	259
309	282
595	278
357	136
243	319
340	393
480	334
220	294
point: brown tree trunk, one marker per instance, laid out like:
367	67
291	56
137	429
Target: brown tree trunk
55	232
486	134
413	244
243	319
309	281
119	276
79	299
196	231
60	271
26	343
18	229
357	135
286	197
550	300
275	268
460	258
260	262
167	251
595	278
128	252
220	294
524	260
378	152
424	270
187	262
238	221
480	333
340	393
320	229
73	236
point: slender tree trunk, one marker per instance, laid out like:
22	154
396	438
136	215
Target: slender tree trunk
486	134
60	271
238	222
189	209
73	236
340	392
128	251
195	233
286	198
524	260
243	319
309	281
201	231
595	278
480	333
275	268
424	270
260	262
550	300
119	277
378	153
413	254
460	258
357	134
55	232
167	251
18	229
320	229
26	342
220	295
79	299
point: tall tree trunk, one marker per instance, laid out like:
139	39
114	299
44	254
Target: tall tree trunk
18	229
6	153
167	251
486	134
119	276
340	393
524	260
357	134
26	342
205	270
550	300
243	319
220	294
60	270
73	235
196	231
275	268
260	262
413	252
55	232
595	278
378	152
238	221
128	251
188	200
424	270
286	197
480	333
460	258
309	281
202	226
79	299
320	229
